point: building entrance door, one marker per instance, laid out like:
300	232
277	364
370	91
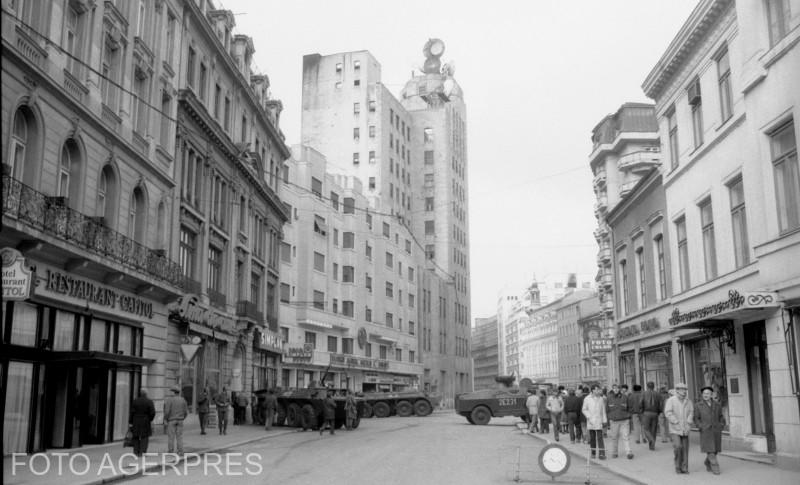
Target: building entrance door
755	341
94	405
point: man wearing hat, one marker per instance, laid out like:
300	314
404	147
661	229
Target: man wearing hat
175	411
710	420
679	412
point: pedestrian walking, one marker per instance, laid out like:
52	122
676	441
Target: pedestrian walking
555	404
662	420
544	414
679	412
572	410
328	413
651	408
141	416
175	411
532	403
351	410
270	408
709	419
202	409
584	431
594	409
619	417
635	405
242	401
223	402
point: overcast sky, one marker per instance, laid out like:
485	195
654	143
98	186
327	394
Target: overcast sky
537	76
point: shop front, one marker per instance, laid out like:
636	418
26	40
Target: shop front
645	349
72	360
267	355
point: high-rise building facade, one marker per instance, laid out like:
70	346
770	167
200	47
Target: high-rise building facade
485	353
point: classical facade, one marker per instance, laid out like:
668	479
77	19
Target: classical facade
484	353
727	108
569	312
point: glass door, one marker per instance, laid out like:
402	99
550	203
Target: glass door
755	341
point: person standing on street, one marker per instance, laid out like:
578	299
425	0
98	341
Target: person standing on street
351	410
620	417
584	432
572	409
202	409
651	408
594	409
329	413
555	404
532	403
679	411
635	405
223	401
270	407
662	420
242	401
175	411
544	414
141	416
709	419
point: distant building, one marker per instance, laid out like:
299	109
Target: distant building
570	310
485	363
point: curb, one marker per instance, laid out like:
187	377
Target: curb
583	457
139	473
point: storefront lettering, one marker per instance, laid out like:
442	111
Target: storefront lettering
734	301
358	362
99	295
299	353
188	309
271	340
649	325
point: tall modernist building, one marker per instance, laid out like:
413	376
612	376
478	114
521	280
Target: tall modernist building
405	151
137	213
484	353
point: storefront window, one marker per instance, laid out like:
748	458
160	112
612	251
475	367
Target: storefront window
18	403
23	325
64	333
708	369
125	340
627	369
656	367
97	336
122	401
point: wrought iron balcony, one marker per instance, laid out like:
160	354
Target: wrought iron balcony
51	216
216	298
248	309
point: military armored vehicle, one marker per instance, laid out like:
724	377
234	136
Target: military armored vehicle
402	403
303	408
480	406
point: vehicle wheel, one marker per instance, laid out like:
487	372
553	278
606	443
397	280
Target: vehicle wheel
308	417
367	410
422	407
381	410
280	415
293	415
469	418
481	415
356	422
404	409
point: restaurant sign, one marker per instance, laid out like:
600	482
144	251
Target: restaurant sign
17	276
91	292
735	301
358	362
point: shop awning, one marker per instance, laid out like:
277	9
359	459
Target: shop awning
17	352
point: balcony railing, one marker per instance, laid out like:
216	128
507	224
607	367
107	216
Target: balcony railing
248	309
643	160
50	215
216	298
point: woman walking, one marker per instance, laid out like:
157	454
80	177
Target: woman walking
709	419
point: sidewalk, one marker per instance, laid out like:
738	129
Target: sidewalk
97	464
656	467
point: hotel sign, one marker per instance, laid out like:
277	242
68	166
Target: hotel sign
358	362
735	301
17	276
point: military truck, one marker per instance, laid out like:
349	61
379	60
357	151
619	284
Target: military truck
303	408
480	406
402	403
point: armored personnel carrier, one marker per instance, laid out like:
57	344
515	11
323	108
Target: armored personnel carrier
480	406
303	408
403	403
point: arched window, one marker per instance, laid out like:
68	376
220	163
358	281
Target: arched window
137	216
69	176
19	142
23	147
107	196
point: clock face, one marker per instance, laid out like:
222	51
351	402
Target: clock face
554	460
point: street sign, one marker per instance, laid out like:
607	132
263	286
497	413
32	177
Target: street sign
188	351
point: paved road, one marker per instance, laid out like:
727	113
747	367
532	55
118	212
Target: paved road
438	449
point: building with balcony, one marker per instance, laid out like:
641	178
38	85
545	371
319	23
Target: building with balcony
484	353
727	105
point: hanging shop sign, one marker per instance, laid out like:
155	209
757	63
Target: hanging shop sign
735	301
600	345
189	309
17	276
91	292
345	360
268	340
645	326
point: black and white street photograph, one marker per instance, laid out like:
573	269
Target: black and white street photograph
362	242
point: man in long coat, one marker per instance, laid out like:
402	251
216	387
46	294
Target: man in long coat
270	406
709	419
142	413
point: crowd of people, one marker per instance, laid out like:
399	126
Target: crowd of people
609	419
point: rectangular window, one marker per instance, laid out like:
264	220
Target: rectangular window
356	136
683	254
778	16
356	108
217	100
430	228
741	245
724	82
347	308
640	280
783	147
623	278
428	157
190	67
709	244
348	274
285	290
227	121
382	352
398	354
333	344
319	262
368	282
661	267
389	290
348	240
672	125
368	348
372	131
349	205
187	253
368	251
389	320
319	226
171	23
214	268
389	260
203	81
311	338
411	356
696	103
428	204
286	252
319	300
386	229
